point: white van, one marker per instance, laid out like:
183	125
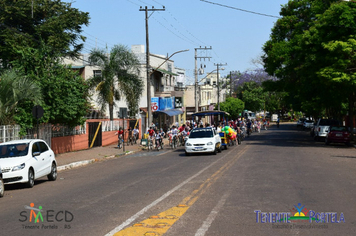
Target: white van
274	117
249	115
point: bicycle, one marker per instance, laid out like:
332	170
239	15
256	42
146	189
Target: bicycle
174	142
181	140
170	140
130	140
120	141
135	137
149	144
158	144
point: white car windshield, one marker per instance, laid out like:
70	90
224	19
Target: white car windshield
201	133
13	150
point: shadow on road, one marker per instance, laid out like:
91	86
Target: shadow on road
287	135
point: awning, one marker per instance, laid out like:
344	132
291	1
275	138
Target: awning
172	112
166	72
77	67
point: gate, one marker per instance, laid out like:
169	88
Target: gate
95	134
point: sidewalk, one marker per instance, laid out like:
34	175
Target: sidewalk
74	159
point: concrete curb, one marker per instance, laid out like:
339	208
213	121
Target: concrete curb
87	162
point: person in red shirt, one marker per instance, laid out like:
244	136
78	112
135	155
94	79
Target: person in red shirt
181	128
120	134
151	132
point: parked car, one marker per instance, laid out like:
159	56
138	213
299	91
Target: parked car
23	161
338	134
322	127
2	187
202	140
300	122
308	124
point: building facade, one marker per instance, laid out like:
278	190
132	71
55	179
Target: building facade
167	89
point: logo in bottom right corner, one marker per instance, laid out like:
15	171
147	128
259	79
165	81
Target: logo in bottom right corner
300	213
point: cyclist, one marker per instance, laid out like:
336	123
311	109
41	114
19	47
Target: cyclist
136	133
130	136
248	126
181	128
151	133
119	134
158	139
162	133
174	132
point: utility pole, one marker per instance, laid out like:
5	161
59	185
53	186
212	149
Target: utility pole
196	75
217	66
149	111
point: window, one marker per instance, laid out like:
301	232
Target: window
97	73
43	147
208	81
35	148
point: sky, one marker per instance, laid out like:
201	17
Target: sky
235	29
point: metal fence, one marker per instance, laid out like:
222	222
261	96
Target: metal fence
63	130
9	132
44	132
48	131
12	132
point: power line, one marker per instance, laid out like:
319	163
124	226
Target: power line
185	39
239	9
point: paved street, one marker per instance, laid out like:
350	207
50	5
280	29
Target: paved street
166	192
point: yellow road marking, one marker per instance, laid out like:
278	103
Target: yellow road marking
157	225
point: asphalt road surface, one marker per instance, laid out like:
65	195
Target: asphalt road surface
278	182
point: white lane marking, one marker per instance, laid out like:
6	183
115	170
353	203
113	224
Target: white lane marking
211	217
134	217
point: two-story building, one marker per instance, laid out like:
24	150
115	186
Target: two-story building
167	89
207	95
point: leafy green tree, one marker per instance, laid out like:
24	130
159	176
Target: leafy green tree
311	50
233	106
119	78
14	89
53	22
252	95
65	93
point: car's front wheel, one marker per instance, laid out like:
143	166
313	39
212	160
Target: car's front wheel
219	148
31	179
2	187
215	151
53	175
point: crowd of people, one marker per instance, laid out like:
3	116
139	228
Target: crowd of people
175	133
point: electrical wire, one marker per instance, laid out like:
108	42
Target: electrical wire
239	9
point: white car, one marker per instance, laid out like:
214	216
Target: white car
322	127
23	161
202	140
308	124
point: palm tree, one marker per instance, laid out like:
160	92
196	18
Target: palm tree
119	78
14	88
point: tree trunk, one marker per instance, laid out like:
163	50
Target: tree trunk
111	111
